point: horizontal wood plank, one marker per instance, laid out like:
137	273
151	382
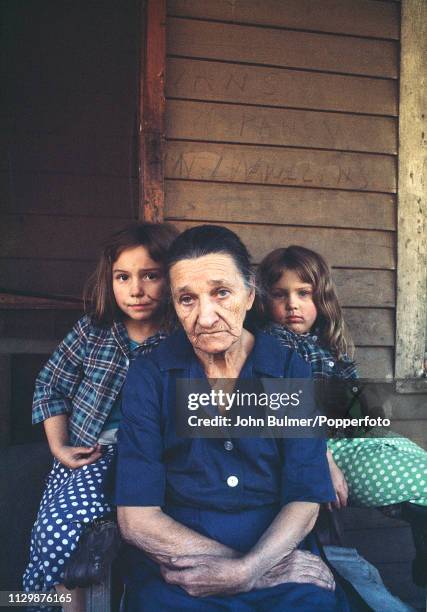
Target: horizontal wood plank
257	125
272	47
370	327
11	301
375	362
45	276
280	166
415	430
109	156
408	407
56	194
340	247
54	237
37	324
228	82
208	201
363	18
365	287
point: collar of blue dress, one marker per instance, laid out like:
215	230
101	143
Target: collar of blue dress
268	357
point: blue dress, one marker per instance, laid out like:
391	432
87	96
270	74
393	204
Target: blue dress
228	490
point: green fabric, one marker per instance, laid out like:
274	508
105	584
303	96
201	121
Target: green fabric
382	469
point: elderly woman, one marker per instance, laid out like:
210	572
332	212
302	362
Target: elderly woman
223	520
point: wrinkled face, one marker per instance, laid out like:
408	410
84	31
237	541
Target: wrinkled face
138	284
211	301
291	303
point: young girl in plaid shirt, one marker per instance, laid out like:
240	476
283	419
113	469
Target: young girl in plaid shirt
77	395
381	468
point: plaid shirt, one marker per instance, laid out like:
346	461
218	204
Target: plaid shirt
84	376
325	368
323	363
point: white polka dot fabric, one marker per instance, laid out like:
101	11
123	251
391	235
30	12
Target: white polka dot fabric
71	500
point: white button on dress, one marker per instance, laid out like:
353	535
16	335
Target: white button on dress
232	481
228	445
331	364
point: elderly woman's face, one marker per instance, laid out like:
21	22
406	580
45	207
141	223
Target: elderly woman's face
211	300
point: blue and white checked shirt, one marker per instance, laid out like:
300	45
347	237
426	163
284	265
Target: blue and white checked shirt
84	376
323	363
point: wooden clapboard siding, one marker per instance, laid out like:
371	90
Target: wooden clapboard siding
363	18
33	324
278	205
70	161
267	126
231	82
62	153
47	276
287	48
374	288
280	166
374	362
281	124
343	248
54	238
66	194
368	323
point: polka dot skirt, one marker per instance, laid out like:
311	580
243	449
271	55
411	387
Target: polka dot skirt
71	500
382	470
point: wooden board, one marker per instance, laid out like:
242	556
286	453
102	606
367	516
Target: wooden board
98	196
209	201
363	18
45	276
272	47
408	407
270	126
280	166
411	314
228	82
57	153
375	362
340	247
365	287
48	237
37	324
370	327
18	301
415	430
152	111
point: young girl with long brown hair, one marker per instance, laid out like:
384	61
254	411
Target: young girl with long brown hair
77	395
299	305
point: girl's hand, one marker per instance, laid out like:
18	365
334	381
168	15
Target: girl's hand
340	484
76	456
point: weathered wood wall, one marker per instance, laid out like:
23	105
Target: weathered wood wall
281	122
68	169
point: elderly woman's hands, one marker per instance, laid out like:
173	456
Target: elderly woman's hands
299	566
204	575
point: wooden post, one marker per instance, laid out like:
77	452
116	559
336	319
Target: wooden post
412	196
152	111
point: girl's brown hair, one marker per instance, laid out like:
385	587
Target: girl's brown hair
313	269
99	298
